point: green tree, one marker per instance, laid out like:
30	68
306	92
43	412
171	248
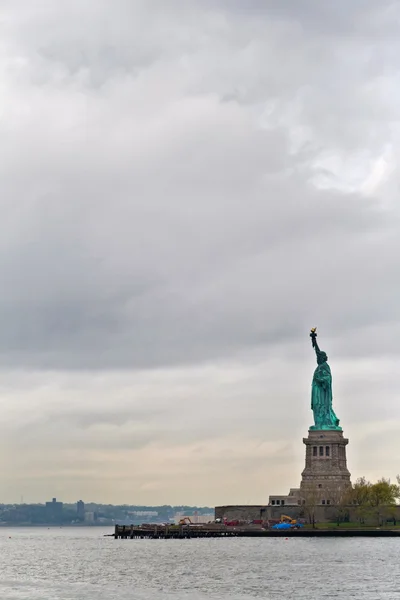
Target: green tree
375	501
383	499
360	497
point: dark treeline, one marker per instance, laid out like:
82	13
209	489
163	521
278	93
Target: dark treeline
91	513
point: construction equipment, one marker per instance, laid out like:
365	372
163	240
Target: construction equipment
185	521
285	526
287	519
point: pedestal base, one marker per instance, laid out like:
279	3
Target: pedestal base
326	465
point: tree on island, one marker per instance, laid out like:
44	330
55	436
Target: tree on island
311	498
339	499
375	502
370	503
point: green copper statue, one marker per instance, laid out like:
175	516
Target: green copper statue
321	391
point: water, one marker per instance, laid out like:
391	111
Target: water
81	564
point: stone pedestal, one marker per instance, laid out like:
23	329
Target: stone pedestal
326	470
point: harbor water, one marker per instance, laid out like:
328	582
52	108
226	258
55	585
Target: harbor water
82	564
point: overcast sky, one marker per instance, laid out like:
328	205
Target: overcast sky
186	187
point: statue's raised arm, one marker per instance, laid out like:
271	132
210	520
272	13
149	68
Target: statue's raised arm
321	390
313	336
321	356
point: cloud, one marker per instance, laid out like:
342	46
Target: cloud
187	191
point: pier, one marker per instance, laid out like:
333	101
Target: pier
158	532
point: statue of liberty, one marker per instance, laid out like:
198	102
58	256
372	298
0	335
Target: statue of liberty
321	391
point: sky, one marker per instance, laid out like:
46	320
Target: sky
186	188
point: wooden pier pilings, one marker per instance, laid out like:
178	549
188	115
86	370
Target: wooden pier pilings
158	532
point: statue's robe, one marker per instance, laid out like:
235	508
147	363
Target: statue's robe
321	398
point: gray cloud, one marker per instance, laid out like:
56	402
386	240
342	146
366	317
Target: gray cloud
336	16
187	191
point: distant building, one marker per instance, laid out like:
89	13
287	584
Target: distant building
89	517
54	509
80	510
292	499
144	513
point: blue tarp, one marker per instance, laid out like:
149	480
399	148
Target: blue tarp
282	526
